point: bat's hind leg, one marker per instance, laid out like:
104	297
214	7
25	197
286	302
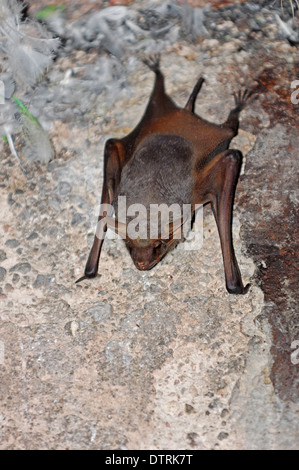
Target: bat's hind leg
159	103
190	105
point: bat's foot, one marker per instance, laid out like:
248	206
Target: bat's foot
153	62
190	105
242	99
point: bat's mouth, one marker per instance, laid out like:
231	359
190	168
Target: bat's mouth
145	265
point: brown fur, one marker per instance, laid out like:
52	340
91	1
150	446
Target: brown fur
175	156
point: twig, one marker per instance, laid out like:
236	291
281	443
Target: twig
12	147
292	5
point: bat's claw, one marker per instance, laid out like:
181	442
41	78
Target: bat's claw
80	279
238	289
246	288
88	275
153	62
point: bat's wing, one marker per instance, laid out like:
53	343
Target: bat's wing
114	159
216	183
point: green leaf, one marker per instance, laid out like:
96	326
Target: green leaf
50	10
25	111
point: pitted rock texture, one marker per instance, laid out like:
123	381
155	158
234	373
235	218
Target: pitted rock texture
164	359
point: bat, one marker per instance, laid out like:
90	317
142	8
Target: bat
172	158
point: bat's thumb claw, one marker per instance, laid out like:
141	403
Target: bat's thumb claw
246	288
80	279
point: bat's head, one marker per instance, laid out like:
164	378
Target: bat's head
147	252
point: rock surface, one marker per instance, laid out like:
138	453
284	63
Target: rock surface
164	359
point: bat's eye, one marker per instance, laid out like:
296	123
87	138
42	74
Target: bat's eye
159	244
128	243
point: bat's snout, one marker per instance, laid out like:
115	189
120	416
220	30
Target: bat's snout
144	265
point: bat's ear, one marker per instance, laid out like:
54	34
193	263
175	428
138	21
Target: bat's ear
117	227
174	229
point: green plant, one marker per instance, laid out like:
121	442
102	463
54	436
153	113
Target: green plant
25	111
49	10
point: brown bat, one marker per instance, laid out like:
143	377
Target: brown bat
172	157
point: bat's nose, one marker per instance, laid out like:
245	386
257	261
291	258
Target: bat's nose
142	265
